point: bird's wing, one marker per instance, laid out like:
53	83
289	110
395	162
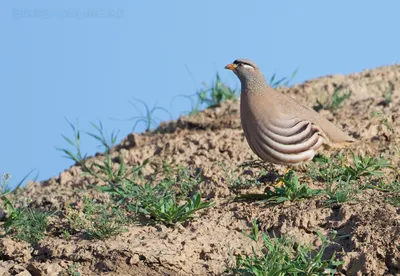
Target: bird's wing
276	137
292	109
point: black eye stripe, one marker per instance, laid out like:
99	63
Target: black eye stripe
241	63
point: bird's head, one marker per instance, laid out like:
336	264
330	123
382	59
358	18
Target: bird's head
245	69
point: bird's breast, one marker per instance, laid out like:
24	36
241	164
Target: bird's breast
277	139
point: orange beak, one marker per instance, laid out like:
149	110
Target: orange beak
231	66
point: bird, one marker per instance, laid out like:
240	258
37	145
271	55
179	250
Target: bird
278	128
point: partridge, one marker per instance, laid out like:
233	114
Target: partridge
278	128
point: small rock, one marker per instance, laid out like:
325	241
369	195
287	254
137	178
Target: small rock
134	260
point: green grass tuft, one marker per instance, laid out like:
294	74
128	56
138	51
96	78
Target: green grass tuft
72	270
169	211
345	181
283	256
329	170
383	119
27	224
98	220
158	198
334	102
285	81
216	94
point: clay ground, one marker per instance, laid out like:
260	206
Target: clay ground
213	142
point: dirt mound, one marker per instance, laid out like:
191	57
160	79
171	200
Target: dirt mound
212	142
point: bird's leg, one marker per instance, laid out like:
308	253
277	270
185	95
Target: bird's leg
349	156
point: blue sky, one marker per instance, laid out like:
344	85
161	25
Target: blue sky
86	60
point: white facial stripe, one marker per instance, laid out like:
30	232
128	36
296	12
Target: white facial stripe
247	66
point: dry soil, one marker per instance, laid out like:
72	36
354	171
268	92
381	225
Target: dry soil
370	243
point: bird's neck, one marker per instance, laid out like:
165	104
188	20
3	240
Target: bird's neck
254	85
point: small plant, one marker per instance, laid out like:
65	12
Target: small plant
388	94
282	256
285	81
383	119
213	96
79	158
366	167
169	212
216	94
107	143
98	220
23	223
161	200
290	190
326	169
394	200
330	170
105	170
72	270
345	181
341	191
101	170
254	231
27	224
182	178
391	190
143	195
335	102
147	117
5	188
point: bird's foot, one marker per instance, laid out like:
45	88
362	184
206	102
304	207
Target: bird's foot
279	183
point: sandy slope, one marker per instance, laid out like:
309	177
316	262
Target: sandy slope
206	245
